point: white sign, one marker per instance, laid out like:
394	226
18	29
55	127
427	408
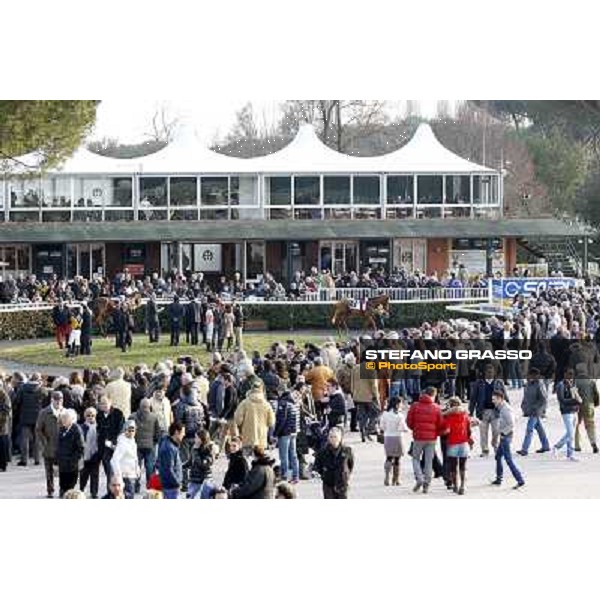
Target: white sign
207	257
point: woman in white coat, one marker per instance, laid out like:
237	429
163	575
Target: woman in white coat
124	462
392	425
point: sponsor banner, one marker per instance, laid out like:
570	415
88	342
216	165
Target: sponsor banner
509	287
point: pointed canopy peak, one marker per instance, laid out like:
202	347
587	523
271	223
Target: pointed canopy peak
425	137
306	137
186	136
424	153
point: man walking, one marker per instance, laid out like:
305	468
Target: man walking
482	407
425	420
534	404
335	463
170	468
46	430
506	426
586	386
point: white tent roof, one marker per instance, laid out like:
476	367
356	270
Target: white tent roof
186	154
425	154
86	162
306	153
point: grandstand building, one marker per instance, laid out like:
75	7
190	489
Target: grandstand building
187	207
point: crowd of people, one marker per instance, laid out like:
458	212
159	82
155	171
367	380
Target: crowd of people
166	427
27	289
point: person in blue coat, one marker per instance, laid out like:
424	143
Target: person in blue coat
170	468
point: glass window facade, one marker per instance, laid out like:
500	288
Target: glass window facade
400	189
336	190
307	190
366	190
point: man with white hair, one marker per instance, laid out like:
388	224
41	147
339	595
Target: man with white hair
119	392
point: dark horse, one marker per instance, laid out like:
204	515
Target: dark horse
103	309
343	312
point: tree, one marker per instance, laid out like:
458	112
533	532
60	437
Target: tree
560	164
337	122
52	128
112	148
413	108
163	125
442	110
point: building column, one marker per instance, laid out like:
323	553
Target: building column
414	197
471	209
584	265
244	261
179	258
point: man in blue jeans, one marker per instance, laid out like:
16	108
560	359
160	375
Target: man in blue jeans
170	468
534	404
506	424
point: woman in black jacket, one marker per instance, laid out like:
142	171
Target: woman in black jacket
260	482
69	451
569	402
201	462
237	470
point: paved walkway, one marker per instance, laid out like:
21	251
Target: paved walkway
546	476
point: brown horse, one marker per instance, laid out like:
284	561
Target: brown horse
103	309
343	312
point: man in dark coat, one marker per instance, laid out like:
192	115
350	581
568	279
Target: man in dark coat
152	321
176	314
121	323
260	482
28	403
86	330
335	463
109	424
69	451
194	320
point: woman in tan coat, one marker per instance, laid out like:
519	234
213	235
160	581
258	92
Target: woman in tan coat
365	393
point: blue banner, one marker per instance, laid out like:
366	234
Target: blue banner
526	286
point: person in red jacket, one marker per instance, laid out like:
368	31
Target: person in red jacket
457	427
425	420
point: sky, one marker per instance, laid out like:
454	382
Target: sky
130	119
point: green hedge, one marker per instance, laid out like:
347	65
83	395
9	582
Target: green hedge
38	324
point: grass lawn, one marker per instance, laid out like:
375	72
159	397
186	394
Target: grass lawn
105	353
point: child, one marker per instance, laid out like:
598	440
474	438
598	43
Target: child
238	466
201	462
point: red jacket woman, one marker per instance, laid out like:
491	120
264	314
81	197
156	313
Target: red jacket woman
457	425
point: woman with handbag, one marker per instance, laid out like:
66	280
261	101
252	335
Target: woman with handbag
392	425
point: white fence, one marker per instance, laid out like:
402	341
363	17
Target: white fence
325	296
